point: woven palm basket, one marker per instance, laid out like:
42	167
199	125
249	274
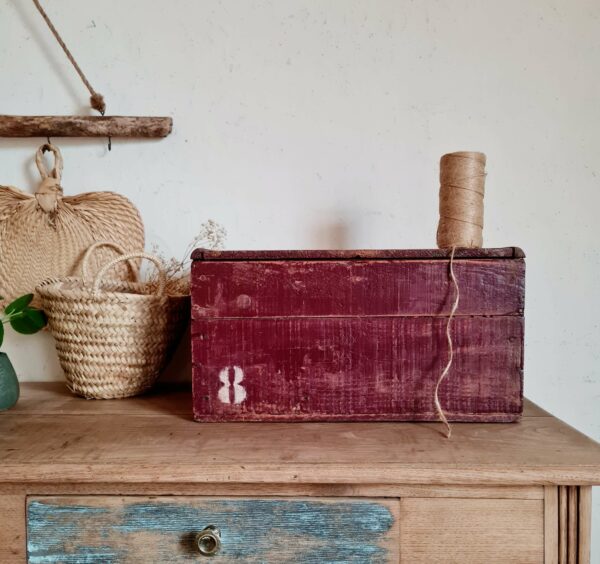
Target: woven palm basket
113	337
45	234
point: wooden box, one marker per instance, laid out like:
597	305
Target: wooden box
356	335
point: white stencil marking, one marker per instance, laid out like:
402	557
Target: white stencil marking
239	392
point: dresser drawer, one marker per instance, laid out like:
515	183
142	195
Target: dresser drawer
471	531
115	529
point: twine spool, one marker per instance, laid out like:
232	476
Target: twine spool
462	185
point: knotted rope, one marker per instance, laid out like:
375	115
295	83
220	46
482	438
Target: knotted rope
49	192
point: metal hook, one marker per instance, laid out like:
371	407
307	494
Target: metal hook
102	112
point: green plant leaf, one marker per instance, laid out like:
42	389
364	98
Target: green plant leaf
1	333
29	321
19	304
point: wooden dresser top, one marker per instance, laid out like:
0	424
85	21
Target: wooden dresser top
52	436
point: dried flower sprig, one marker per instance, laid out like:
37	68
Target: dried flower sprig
212	235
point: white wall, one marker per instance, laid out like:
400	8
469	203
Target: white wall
315	123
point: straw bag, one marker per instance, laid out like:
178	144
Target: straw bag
45	234
113	337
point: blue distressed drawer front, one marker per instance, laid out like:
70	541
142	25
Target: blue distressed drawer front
107	530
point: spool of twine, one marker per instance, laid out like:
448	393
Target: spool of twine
462	185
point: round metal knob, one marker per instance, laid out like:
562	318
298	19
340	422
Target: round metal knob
209	541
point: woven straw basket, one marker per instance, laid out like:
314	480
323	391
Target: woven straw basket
113	337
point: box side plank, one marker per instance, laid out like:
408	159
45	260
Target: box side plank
356	368
250	289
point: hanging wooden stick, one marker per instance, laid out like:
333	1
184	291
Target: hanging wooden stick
83	126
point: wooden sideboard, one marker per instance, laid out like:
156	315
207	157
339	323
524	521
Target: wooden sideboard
137	480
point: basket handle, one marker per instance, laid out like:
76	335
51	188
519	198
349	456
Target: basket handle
86	258
162	274
56	172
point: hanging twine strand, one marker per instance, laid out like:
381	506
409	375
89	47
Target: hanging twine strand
462	187
436	396
96	99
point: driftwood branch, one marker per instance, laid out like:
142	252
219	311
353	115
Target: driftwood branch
84	126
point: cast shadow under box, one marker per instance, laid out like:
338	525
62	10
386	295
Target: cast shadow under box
172	392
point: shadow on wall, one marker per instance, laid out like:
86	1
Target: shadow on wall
331	235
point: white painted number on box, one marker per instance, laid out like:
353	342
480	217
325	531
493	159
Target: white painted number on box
232	392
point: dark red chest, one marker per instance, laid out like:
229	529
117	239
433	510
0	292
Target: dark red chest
356	335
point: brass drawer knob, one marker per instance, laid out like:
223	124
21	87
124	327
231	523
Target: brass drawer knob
209	541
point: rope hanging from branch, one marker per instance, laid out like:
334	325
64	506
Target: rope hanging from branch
96	99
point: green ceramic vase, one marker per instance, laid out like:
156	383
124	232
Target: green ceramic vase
9	385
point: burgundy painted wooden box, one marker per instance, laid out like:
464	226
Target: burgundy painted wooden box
356	335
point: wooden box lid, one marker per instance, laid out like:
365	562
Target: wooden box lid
368	254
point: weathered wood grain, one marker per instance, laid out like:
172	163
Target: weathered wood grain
380	368
137	529
84	126
12	528
268	490
372	254
461	531
355	288
486	489
563	525
573	524
165	399
141	442
585	525
551	521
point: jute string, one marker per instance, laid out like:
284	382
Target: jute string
462	187
96	99
436	398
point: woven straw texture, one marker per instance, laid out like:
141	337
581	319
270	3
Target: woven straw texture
45	235
113	337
